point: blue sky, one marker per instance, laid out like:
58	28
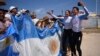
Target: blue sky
42	6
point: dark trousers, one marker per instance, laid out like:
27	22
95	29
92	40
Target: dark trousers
76	43
67	34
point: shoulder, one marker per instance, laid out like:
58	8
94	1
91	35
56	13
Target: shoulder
70	17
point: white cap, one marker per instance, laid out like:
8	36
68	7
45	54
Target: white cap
11	7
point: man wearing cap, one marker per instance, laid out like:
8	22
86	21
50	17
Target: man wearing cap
12	11
34	18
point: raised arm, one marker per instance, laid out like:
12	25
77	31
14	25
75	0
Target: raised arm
85	15
55	16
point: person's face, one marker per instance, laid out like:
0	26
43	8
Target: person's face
33	16
14	11
67	13
43	24
75	11
39	24
1	14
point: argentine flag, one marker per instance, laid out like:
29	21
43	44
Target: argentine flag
23	38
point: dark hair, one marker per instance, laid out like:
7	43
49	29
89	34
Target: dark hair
68	12
1	9
27	11
53	19
76	8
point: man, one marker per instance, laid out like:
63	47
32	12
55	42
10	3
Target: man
2	22
77	27
34	19
12	10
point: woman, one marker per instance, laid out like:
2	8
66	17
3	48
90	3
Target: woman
67	33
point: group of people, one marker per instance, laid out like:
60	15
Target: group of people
25	35
22	34
72	29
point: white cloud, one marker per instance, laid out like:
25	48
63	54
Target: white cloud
40	12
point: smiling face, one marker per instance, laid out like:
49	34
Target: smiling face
75	10
67	13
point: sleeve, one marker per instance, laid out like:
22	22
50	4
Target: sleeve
56	17
85	15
